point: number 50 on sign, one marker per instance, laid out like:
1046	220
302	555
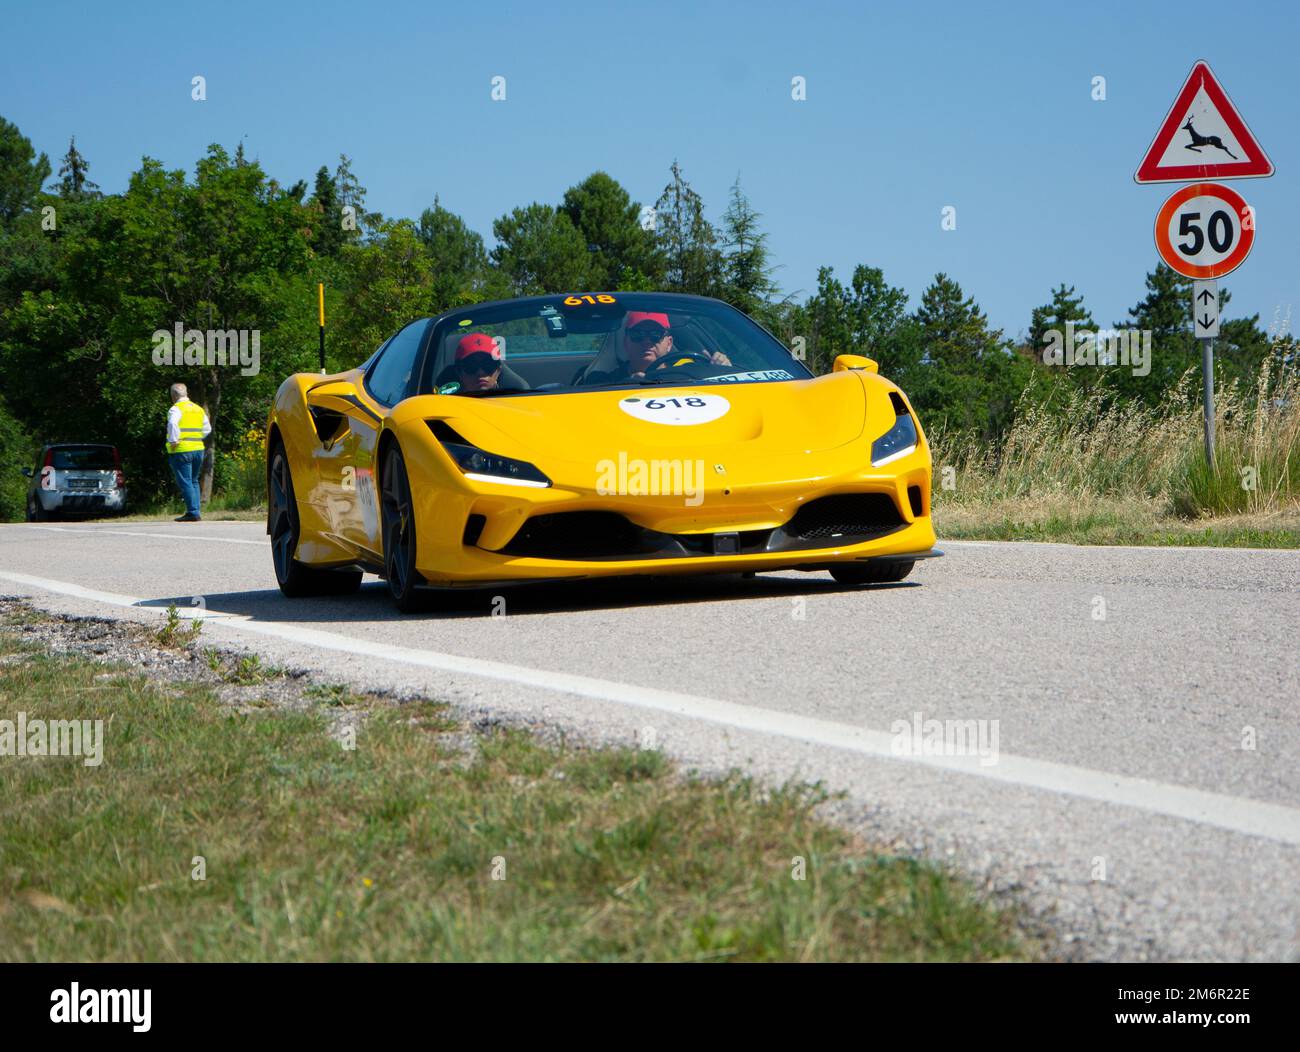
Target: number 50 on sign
1205	230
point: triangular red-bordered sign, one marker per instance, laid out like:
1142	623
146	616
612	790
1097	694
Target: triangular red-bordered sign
1210	150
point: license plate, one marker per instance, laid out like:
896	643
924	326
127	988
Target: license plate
83	483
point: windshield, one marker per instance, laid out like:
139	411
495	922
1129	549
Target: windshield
590	341
83	458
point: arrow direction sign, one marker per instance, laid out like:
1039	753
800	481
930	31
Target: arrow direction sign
1205	309
1203	137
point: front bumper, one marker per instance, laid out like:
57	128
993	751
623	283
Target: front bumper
476	567
454	547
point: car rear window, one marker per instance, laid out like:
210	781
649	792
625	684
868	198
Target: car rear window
83	458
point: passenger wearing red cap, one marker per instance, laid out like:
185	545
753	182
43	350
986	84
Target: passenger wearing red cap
478	362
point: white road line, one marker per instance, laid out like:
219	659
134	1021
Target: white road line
1239	814
189	536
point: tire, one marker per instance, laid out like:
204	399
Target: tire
36	513
296	580
871	572
397	528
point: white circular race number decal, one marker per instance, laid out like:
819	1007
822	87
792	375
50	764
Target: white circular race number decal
677	409
1205	230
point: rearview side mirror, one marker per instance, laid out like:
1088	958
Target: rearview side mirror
27	472
855	361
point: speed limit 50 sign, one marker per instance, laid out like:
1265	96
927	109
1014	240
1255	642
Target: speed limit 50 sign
1205	230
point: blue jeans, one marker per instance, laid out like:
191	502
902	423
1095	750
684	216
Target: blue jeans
187	468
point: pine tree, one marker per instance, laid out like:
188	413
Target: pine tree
457	257
869	317
956	330
1166	311
971	382
687	239
539	250
22	172
328	235
623	255
1065	307
73	180
349	193
747	270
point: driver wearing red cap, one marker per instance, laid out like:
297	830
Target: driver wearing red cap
478	362
647	338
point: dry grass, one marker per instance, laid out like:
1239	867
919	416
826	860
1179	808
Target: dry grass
1074	468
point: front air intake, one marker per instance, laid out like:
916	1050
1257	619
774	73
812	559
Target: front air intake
850	516
578	535
914	499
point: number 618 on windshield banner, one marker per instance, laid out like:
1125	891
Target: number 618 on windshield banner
1205	230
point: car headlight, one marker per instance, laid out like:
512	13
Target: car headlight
488	467
482	466
898	441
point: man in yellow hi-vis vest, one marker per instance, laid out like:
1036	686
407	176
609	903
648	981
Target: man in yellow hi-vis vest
187	427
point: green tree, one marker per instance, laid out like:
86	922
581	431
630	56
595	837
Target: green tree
458	260
1166	311
747	269
328	235
387	282
349	193
970	381
539	250
16	450
1241	348
1065	308
622	254
693	261
22	172
218	253
74	180
868	317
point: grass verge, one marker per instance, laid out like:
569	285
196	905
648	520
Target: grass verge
427	840
1077	468
211	513
1111	521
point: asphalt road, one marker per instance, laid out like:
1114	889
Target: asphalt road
1137	782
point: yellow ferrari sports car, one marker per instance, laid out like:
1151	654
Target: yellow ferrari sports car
591	435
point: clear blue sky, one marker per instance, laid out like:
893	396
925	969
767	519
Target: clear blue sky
910	107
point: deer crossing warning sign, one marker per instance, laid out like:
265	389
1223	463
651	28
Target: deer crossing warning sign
1202	137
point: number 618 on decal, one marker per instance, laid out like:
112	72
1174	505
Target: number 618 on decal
664	403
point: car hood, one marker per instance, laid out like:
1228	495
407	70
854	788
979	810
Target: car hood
798	416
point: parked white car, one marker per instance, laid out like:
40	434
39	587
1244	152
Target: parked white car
75	479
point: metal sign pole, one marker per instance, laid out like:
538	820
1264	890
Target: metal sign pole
1207	370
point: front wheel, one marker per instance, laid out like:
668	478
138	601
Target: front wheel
871	572
296	579
397	525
